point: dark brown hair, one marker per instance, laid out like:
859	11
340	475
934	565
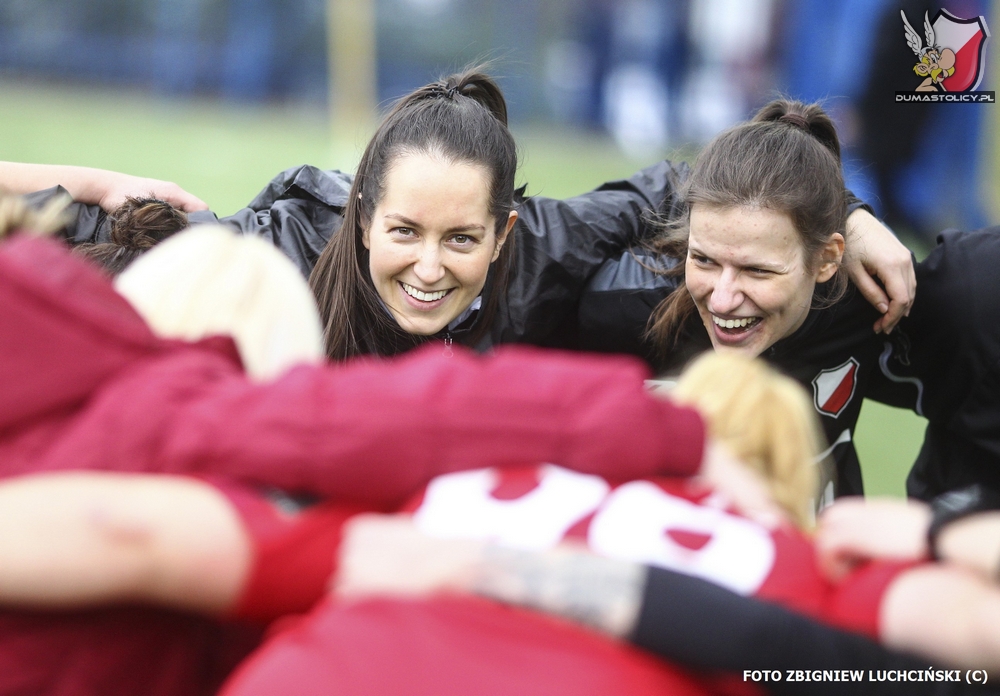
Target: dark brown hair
137	225
787	158
462	118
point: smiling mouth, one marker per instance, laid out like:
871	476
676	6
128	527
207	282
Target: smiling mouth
735	326
421	295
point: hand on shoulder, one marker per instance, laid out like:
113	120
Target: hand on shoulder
875	255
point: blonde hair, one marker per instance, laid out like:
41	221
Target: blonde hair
207	280
765	418
17	216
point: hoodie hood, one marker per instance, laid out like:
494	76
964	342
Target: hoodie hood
63	329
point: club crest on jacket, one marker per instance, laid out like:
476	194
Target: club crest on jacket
834	387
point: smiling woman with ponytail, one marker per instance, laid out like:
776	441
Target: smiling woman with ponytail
425	233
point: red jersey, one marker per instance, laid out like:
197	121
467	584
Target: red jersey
466	645
84	384
673	523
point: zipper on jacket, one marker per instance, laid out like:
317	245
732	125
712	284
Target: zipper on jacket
448	352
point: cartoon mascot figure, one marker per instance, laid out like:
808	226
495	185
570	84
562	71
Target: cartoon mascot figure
936	63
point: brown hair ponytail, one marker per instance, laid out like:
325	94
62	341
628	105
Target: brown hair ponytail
810	118
137	225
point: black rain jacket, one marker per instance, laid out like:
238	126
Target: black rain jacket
943	362
559	244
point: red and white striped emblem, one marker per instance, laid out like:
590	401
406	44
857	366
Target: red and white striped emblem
967	38
834	388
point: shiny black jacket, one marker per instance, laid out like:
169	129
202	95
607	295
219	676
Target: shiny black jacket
559	244
943	362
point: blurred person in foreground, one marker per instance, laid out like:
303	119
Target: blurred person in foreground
447	644
230	396
612	578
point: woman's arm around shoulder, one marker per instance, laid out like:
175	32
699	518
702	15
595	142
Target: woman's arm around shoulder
563	243
376	431
874	255
96	186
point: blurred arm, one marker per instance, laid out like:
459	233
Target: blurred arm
388	555
854	530
681	618
376	431
87	538
96	186
974	542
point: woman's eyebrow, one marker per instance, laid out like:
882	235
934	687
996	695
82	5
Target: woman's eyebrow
413	223
403	219
775	266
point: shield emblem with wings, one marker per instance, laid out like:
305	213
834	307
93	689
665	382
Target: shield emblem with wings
955	52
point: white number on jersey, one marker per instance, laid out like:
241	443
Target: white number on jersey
643	523
637	521
460	506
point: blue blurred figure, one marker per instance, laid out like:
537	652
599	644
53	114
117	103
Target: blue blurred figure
918	164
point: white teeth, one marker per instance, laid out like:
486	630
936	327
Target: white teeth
423	296
734	323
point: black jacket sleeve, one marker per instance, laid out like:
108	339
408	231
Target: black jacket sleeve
84	223
563	243
298	212
943	362
698	624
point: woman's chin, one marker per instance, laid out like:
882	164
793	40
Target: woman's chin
420	325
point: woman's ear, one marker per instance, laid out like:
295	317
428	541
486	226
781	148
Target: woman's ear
830	257
511	219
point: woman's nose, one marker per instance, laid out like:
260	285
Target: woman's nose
727	295
428	267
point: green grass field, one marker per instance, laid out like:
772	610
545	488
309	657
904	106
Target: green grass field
225	153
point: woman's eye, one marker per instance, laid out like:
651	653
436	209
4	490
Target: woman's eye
698	258
403	232
463	239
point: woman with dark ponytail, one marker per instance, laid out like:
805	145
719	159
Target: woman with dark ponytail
426	226
753	168
422	244
753	255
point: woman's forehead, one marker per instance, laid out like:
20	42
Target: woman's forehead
744	234
421	185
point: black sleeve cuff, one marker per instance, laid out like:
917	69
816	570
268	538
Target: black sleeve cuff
854	203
